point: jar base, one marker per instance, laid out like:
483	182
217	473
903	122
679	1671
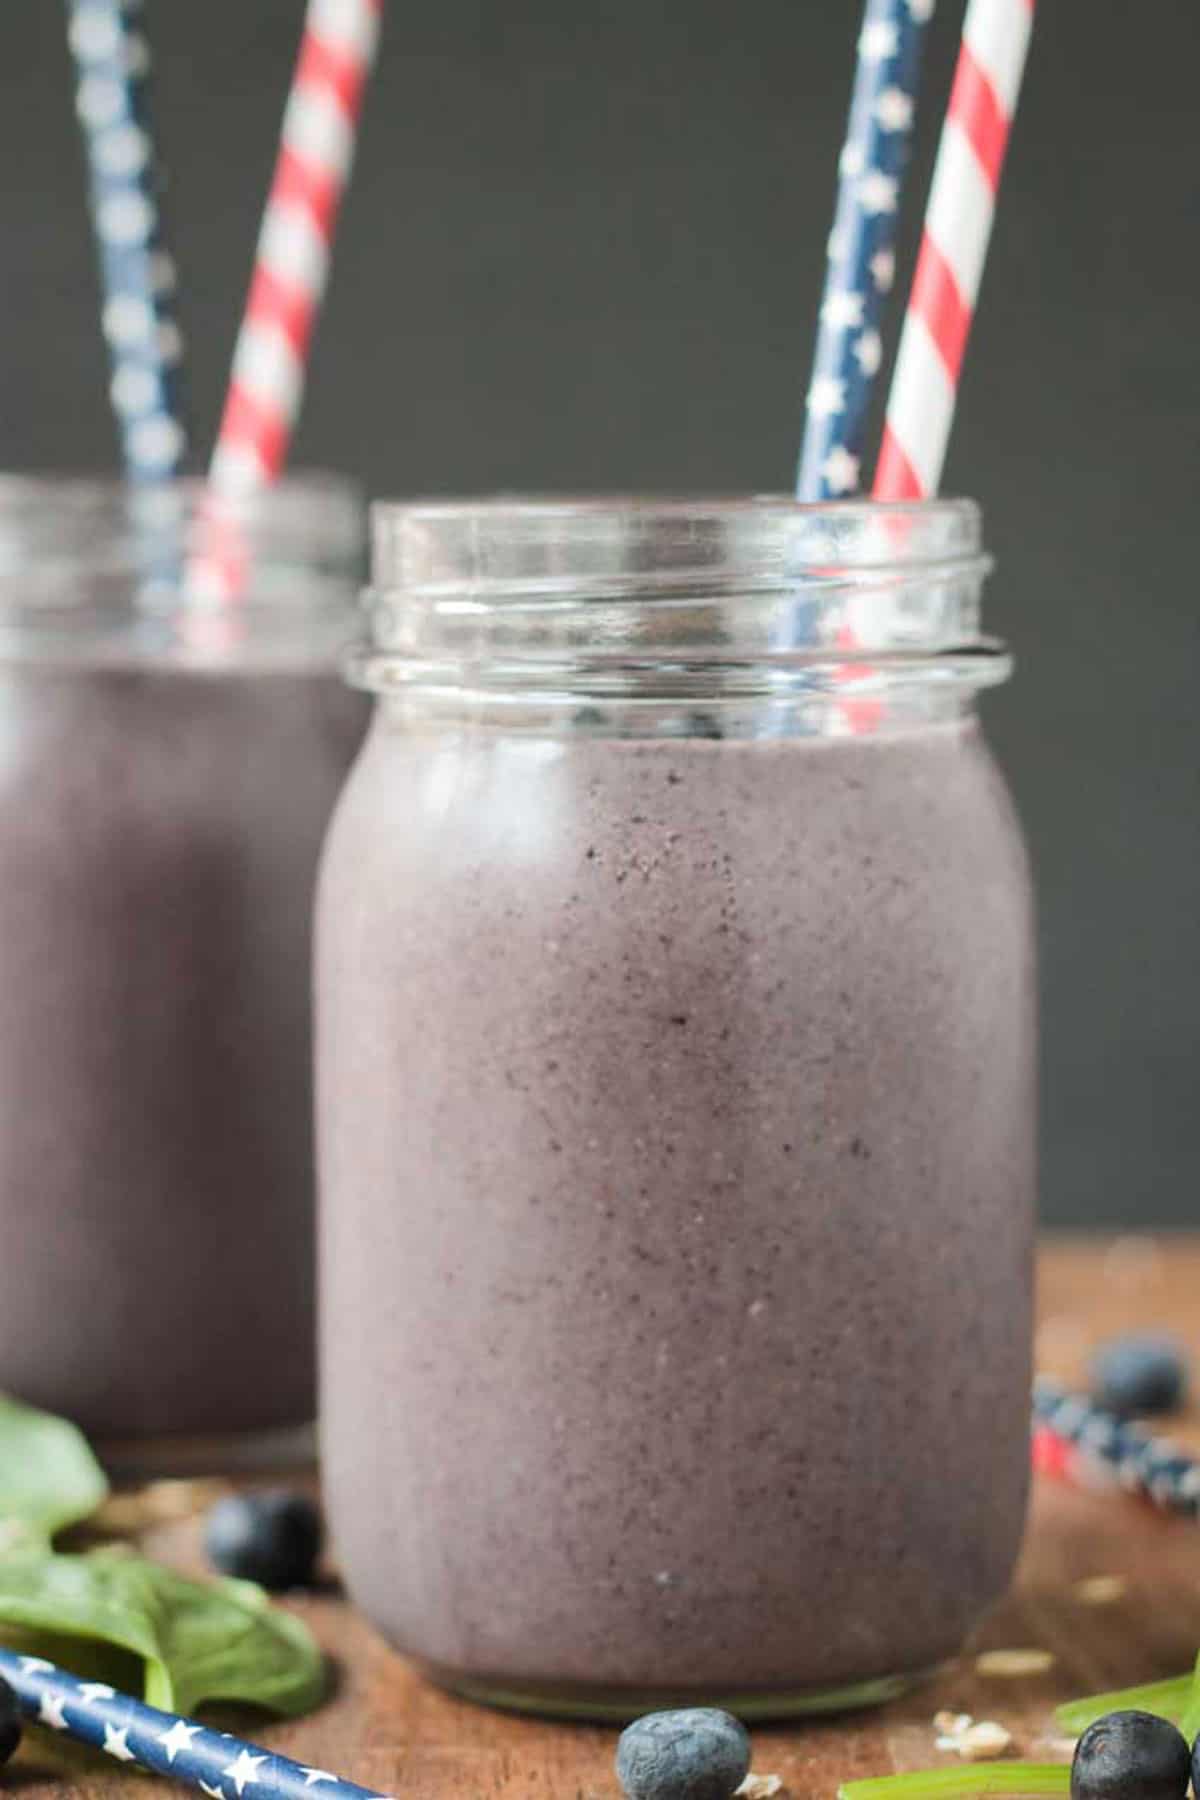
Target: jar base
584	1701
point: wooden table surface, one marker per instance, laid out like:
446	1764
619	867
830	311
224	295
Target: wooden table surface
387	1729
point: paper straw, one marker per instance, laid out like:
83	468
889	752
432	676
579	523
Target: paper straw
320	126
128	1730
861	251
1154	1467
137	276
958	224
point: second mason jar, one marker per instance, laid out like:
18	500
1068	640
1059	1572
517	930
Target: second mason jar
675	1105
174	732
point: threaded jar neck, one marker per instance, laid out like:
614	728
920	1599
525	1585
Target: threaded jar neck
628	614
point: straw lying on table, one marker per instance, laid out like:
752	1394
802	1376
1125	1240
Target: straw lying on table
1144	1464
958	224
292	258
112	61
862	246
131	1732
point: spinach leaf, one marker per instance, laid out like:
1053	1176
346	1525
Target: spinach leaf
211	1640
1007	1778
1169	1699
48	1476
1189	1721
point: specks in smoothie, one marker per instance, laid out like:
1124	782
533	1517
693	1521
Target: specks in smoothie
859	1147
679	1018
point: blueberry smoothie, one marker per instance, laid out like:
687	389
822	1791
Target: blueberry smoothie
702	1363
675	1124
159	832
173	734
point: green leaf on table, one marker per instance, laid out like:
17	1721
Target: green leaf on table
1169	1699
48	1475
1189	1718
196	1641
964	1782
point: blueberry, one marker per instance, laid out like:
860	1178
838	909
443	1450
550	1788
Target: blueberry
1131	1756
1139	1374
272	1538
10	1721
696	1754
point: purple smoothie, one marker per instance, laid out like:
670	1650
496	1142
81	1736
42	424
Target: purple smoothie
676	1117
159	832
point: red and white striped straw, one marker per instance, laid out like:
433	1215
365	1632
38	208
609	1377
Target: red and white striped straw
958	224
320	126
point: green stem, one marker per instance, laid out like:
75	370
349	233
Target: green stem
963	1782
1170	1699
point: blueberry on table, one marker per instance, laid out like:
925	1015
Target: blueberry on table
698	1753
273	1538
10	1721
1131	1756
1139	1374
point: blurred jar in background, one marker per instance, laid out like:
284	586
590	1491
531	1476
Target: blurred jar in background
168	760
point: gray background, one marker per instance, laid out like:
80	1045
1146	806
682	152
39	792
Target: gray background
583	250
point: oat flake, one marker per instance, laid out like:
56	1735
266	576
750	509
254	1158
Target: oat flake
1100	1590
1010	1664
983	1740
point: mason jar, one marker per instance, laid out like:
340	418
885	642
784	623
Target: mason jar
173	732
675	1071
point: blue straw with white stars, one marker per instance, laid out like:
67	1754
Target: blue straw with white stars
137	276
1154	1466
862	246
131	1732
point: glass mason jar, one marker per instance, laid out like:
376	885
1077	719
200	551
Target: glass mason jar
168	762
675	1074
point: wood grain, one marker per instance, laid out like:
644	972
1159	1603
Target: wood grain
387	1729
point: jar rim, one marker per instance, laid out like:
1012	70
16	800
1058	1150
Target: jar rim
502	549
630	597
668	504
313	500
92	567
